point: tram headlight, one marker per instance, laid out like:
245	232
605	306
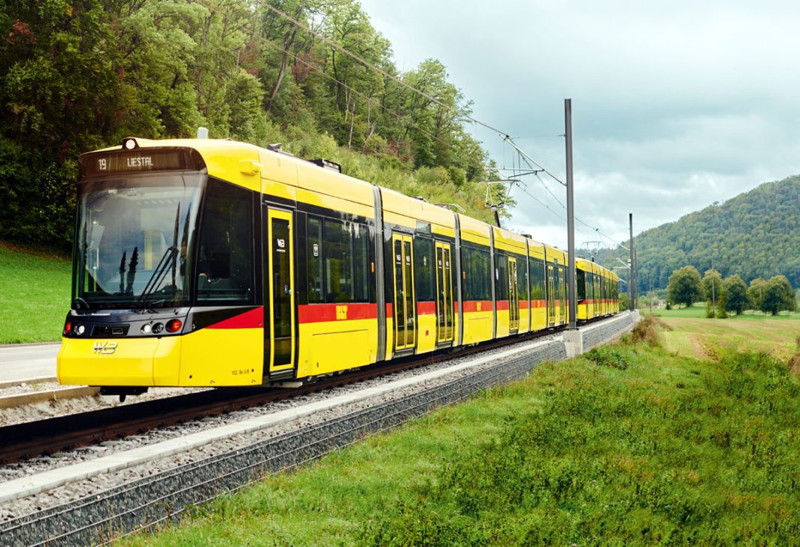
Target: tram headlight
80	329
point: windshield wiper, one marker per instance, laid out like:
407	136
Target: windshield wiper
158	275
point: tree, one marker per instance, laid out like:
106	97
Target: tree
736	299
778	296
715	294
755	292
685	286
77	75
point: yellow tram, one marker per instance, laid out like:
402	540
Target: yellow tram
215	263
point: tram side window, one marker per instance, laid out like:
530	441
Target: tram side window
423	263
556	283
225	251
338	261
591	283
362	276
501	278
596	287
314	254
582	285
477	272
537	279
522	275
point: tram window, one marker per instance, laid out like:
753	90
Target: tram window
424	262
361	270
522	275
477	272
225	251
338	262
582	284
501	277
314	256
537	279
556	283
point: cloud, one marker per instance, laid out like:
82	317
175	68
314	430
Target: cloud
675	105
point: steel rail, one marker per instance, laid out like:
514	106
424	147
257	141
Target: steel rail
52	435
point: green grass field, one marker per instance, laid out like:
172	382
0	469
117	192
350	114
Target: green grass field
629	444
698	311
694	335
34	296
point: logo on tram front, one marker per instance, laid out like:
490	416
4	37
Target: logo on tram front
105	348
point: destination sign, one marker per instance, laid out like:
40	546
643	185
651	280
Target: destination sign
139	160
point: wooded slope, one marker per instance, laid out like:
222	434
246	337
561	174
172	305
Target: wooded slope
79	75
756	234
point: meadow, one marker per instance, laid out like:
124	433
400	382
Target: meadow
632	443
689	332
34	295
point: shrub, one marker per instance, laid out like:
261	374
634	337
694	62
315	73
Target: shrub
607	356
647	331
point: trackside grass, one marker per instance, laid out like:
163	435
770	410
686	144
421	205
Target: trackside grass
34	296
628	444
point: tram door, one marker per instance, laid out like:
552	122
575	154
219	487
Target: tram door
596	279
551	297
513	296
405	301
562	296
444	293
281	290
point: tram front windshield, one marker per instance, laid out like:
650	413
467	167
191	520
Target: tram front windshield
134	238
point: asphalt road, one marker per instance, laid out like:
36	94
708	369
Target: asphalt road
28	361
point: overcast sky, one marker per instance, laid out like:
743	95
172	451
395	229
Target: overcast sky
675	104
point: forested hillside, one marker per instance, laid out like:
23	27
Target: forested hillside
755	234
78	75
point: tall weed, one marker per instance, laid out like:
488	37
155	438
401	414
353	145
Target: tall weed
794	362
648	331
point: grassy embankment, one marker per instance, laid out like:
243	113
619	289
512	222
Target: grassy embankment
34	295
634	443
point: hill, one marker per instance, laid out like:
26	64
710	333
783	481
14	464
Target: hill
755	234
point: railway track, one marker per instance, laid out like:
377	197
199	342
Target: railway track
49	436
